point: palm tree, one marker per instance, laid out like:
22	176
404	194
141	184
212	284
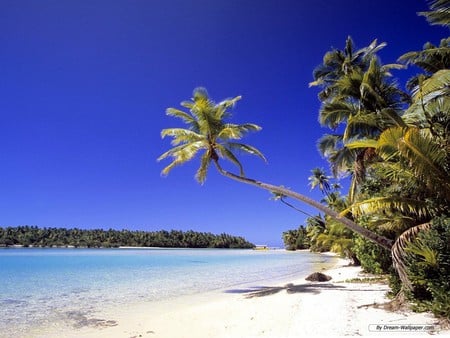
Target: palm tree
321	180
338	63
439	13
208	132
413	160
415	171
363	99
290	239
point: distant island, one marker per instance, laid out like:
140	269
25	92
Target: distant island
33	236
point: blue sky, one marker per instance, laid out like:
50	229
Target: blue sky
84	86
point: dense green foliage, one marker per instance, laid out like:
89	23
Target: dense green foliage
296	239
429	268
61	237
395	148
372	258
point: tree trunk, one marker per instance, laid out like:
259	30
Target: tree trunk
366	233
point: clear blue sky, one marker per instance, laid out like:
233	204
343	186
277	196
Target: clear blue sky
84	86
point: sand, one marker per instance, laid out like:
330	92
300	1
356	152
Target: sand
296	309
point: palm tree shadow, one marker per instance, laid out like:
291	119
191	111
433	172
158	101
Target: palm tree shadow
262	291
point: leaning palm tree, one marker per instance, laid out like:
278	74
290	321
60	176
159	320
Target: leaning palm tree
209	133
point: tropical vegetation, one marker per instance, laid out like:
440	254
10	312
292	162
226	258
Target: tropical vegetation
296	239
391	144
97	238
208	132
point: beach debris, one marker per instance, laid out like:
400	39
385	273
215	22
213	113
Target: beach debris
318	277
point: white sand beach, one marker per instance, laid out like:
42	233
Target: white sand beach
297	309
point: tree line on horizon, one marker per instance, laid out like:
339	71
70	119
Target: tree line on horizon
34	236
392	144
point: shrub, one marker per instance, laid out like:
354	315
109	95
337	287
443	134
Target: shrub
373	258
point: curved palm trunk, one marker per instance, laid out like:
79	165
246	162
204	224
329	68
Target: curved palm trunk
399	252
366	233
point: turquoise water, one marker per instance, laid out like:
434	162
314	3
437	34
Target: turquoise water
39	287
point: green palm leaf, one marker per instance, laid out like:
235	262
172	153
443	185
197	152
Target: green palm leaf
181	154
436	85
187	118
181	135
361	125
226	153
235	131
202	171
382	204
335	112
247	149
329	143
439	13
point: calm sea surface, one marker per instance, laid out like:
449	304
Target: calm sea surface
39	287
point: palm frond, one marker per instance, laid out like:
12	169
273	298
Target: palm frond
220	110
431	58
350	85
329	143
373	205
439	13
230	103
226	153
436	85
236	131
181	135
335	112
373	48
342	161
419	248
399	251
394	171
181	154
390	114
202	171
388	142
385	69
429	158
246	148
364	143
361	125
188	119
419	115
395	223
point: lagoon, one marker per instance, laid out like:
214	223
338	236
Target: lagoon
44	288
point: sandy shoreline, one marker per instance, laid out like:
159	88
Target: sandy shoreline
297	309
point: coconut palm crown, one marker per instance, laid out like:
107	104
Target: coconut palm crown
207	131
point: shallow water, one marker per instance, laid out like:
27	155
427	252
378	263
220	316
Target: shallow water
45	287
